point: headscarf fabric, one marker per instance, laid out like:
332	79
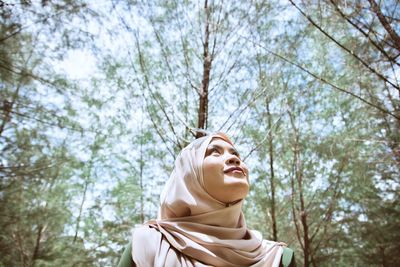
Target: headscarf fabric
195	229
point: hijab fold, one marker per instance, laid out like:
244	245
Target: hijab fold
195	229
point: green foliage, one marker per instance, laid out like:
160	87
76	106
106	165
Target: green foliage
311	101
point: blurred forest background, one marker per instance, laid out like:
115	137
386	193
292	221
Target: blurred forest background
97	98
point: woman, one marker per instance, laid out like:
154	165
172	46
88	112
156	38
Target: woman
200	221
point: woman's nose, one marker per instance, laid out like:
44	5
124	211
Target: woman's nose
232	159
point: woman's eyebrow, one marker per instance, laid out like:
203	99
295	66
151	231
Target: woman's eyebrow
231	149
214	146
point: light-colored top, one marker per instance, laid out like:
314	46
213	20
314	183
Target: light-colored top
126	258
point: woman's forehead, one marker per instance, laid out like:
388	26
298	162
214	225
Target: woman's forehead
220	142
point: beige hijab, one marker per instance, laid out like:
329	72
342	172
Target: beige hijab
194	229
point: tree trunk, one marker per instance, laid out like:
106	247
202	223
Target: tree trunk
298	173
207	60
272	174
35	254
80	211
7	108
141	166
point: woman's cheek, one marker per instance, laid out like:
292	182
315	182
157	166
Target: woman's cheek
210	169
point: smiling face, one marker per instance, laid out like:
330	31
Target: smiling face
225	176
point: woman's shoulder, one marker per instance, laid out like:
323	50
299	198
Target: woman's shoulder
140	244
143	239
144	230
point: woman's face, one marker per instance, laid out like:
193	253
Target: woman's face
225	175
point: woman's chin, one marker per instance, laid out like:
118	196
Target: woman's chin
236	191
235	178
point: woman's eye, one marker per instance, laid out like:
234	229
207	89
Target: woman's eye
236	154
214	151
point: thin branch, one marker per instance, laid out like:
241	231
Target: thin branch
395	37
391	59
324	80
343	47
265	137
329	212
51	123
147	83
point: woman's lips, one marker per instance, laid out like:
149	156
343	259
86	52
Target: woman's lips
234	170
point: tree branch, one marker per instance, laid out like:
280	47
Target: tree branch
395	37
391	59
343	47
324	80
